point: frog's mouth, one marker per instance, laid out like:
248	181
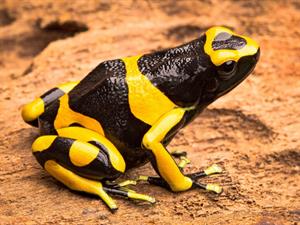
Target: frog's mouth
245	66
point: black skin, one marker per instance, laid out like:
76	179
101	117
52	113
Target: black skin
185	74
98	169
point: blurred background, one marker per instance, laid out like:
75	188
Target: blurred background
253	132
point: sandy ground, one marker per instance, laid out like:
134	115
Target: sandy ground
253	132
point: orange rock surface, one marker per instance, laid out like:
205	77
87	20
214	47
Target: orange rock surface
253	132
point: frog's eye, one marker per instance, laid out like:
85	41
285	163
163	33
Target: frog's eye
227	70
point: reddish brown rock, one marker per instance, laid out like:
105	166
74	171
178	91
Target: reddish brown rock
253	132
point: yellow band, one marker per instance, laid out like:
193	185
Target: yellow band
218	57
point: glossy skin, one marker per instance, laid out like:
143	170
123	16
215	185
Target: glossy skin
123	99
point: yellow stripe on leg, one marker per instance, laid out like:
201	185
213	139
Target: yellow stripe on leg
82	153
87	135
166	165
77	183
160	129
42	143
169	170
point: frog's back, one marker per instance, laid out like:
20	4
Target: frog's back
100	102
108	103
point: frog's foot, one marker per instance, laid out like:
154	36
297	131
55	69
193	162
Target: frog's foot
182	155
82	159
81	165
122	189
183	162
122	184
78	183
128	193
214	169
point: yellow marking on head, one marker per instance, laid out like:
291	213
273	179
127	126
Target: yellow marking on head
146	102
33	110
67	87
43	143
66	116
78	183
87	135
82	153
218	57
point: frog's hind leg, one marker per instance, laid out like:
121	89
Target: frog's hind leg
80	158
77	164
34	109
78	183
96	139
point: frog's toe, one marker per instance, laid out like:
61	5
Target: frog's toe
182	155
209	187
215	188
213	169
120	184
130	194
183	162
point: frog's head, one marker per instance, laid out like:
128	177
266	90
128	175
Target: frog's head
231	59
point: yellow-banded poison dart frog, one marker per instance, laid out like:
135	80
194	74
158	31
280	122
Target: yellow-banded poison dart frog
126	111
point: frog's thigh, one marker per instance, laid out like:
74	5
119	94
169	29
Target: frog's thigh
96	160
96	139
34	109
77	163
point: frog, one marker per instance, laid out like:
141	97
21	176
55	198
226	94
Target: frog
125	112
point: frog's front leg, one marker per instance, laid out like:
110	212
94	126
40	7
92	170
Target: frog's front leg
80	158
170	173
162	161
182	155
